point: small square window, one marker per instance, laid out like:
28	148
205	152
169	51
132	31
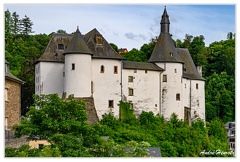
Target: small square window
178	97
115	69
175	70
135	70
130	78
110	103
73	66
164	78
130	92
146	71
61	46
155	105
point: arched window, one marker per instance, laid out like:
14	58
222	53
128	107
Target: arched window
102	69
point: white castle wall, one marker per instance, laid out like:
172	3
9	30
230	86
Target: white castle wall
170	89
78	81
198	99
49	78
106	85
145	88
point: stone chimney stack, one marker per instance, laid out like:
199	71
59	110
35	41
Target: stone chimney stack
199	69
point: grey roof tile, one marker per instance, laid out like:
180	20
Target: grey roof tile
141	66
191	70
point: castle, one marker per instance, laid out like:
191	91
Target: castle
86	66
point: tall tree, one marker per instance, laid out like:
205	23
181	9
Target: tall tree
26	26
16	25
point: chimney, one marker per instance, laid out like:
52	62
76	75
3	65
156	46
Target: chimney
199	69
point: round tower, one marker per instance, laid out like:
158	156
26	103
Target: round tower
78	67
166	56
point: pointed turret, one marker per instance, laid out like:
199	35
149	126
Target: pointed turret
165	22
164	50
77	45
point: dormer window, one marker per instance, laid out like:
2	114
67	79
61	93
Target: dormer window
61	46
56	55
99	39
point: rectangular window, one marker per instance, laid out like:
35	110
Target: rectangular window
63	74
110	103
6	94
164	78
73	66
146	71
60	46
102	69
196	85
115	69
175	70
135	70
130	78
130	92
178	97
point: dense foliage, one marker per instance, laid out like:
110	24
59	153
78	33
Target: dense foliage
21	51
64	124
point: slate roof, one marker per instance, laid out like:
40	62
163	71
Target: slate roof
191	70
77	45
51	53
10	76
141	66
164	50
103	50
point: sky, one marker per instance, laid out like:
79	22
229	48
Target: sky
130	25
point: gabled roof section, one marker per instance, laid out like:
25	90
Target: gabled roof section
164	50
99	46
141	66
77	45
52	53
10	76
189	69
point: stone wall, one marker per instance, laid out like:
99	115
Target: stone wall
12	103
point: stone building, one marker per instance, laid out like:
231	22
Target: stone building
88	67
12	99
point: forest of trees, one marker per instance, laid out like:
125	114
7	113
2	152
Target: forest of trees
23	48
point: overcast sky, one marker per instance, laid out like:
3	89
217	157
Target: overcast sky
130	25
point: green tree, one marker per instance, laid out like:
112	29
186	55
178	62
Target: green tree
61	31
16	27
114	46
26	24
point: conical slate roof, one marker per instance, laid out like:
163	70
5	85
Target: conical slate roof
102	50
165	17
77	45
164	50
